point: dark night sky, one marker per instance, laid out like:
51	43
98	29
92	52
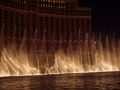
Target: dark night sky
105	14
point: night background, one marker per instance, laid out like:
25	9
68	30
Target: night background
43	47
105	15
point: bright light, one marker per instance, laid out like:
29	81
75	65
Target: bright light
89	56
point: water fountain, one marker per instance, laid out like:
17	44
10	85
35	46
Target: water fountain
30	58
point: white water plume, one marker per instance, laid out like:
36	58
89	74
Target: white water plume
89	55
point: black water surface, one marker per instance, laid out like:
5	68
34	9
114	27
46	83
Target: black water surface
86	81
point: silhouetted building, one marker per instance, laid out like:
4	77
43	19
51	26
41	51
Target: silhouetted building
52	20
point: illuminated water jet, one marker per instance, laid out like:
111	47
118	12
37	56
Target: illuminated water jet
88	55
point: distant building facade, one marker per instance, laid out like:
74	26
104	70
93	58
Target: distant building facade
52	20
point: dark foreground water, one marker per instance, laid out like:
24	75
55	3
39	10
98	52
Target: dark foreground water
93	81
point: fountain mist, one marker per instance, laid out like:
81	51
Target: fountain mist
32	57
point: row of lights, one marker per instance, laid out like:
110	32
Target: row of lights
49	1
47	5
59	6
53	2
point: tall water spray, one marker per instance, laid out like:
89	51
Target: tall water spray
32	56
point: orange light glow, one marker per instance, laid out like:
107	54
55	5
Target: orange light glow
92	56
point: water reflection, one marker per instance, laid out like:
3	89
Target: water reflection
96	81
